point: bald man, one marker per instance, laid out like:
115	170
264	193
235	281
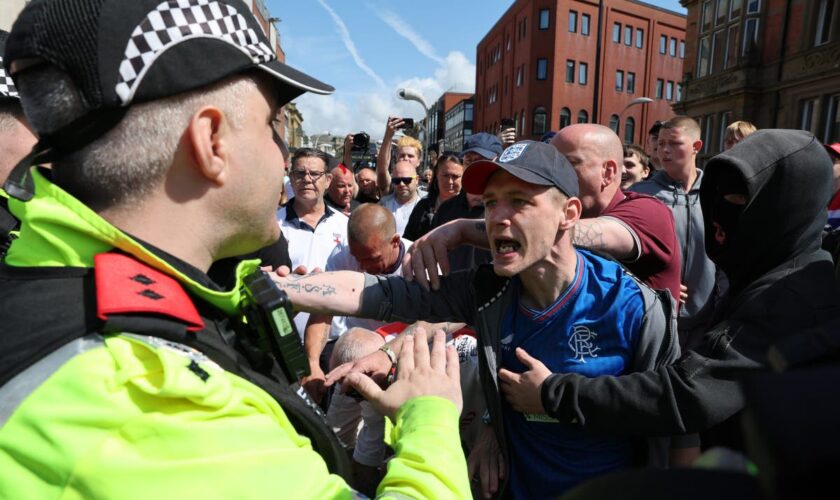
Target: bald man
341	190
375	247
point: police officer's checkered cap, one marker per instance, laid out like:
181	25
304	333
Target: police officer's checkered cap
123	51
8	91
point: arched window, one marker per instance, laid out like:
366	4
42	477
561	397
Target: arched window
565	118
614	123
538	127
583	116
629	130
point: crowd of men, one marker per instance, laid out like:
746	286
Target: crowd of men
529	316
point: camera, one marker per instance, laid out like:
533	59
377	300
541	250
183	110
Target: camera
507	123
361	141
407	123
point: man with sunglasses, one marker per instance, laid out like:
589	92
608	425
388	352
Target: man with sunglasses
402	201
313	228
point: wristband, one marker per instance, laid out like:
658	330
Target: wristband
390	353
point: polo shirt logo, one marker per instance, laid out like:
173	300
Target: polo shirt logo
582	343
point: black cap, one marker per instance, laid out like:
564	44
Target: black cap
8	92
120	52
533	162
487	145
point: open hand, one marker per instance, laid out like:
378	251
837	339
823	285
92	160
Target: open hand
522	390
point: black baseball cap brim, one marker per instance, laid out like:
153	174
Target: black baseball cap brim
294	82
478	175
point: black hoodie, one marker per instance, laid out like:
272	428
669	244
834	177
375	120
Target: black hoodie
781	284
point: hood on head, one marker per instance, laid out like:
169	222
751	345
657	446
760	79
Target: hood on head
788	176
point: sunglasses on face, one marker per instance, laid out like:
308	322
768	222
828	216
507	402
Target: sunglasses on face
301	174
403	180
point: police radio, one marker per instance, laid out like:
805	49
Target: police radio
269	312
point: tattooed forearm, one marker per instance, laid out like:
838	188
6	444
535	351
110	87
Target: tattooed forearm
295	286
589	234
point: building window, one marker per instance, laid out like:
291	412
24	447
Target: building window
468	112
750	35
832	120
519	76
669	90
682	49
703	55
538	127
629	130
824	14
806	115
614	123
584	25
725	118
565	118
663	42
706	16
640	37
679	92
631	82
753	6
672	48
570	71
582	73
542	69
619	80
718	51
731	55
722	12
628	35
522	123
659	84
616	35
572	22
709	132
583	116
544	19
735	9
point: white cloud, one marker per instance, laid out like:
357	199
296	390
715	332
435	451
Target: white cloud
344	113
344	33
403	29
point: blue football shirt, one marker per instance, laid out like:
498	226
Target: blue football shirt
591	329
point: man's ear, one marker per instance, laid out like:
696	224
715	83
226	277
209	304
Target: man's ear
697	146
395	240
208	135
571	210
611	171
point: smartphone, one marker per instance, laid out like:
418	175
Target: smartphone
407	123
508	123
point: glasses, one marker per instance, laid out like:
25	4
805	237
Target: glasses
301	174
403	180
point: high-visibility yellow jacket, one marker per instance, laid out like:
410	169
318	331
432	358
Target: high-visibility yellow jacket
129	416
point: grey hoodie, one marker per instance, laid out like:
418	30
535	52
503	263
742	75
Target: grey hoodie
698	272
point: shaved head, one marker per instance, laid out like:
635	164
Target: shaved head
596	154
371	221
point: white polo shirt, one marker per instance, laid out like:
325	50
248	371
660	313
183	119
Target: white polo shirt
310	246
401	212
342	260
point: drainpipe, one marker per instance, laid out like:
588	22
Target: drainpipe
778	94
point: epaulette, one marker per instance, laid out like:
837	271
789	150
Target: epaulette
128	290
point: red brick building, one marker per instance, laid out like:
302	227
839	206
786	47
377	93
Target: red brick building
550	63
267	22
775	63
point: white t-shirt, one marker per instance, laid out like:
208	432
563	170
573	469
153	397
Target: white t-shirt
401	212
342	260
309	246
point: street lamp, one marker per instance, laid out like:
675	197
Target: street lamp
318	138
638	100
408	94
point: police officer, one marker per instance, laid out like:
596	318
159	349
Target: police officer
124	370
16	139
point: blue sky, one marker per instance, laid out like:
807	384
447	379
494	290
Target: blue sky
367	49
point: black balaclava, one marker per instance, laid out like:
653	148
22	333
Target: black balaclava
725	215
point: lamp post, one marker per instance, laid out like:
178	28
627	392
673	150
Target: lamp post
318	138
638	100
408	94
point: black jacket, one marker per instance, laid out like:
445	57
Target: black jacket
781	283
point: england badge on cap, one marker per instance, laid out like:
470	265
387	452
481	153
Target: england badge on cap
513	152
